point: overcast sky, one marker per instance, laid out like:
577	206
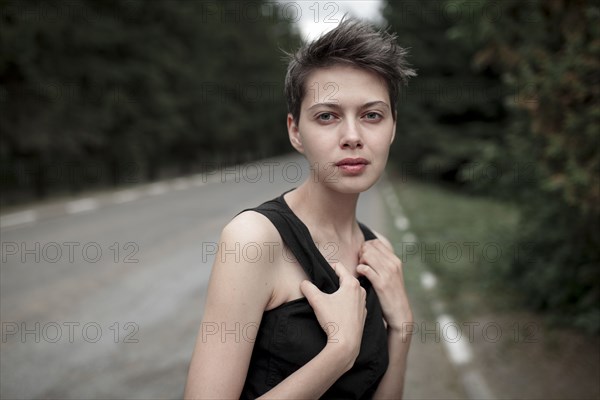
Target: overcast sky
317	17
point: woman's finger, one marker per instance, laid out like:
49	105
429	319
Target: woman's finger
340	270
367	271
310	291
372	257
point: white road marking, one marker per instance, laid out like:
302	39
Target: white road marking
458	349
125	196
409	237
181	184
438	307
18	218
428	280
476	386
214	178
198	180
79	206
157	189
401	223
454	341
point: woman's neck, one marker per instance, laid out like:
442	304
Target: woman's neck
328	214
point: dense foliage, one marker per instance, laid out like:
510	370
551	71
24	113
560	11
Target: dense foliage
534	140
108	92
449	114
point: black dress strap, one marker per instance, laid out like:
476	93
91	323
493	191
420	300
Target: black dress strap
297	237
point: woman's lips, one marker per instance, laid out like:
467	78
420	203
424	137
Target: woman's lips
352	169
352	166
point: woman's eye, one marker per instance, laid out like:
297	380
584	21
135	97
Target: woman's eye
325	117
373	116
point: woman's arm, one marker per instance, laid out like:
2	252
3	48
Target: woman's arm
239	292
313	379
381	266
392	383
346	309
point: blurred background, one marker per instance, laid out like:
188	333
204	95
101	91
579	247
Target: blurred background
133	131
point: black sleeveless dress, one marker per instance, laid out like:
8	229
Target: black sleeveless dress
289	336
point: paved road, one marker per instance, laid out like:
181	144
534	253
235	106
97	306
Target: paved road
106	301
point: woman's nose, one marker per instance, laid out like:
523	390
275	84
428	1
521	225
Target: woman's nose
351	137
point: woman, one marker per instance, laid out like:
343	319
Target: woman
301	327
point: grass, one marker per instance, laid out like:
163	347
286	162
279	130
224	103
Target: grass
530	360
465	240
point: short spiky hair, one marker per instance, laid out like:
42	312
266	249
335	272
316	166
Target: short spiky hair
353	42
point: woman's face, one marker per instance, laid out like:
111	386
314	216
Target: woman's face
345	115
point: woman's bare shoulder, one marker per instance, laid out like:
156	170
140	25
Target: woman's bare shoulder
242	269
250	226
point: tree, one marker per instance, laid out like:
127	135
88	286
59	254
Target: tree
549	55
450	114
106	92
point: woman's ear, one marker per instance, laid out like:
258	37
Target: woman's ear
393	133
294	134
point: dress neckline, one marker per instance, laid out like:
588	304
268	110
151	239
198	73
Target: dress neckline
313	247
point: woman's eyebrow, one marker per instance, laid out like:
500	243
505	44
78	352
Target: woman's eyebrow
375	103
337	106
329	105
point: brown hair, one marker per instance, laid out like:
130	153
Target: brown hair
353	42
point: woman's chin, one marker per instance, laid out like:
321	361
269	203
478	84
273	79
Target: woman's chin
354	185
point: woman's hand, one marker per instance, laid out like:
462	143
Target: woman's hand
383	268
341	314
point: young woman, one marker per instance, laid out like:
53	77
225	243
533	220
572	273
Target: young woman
301	327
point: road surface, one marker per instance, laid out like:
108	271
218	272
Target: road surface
102	297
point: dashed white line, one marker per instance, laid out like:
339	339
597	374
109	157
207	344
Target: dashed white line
215	178
198	180
79	206
401	223
458	349
157	189
18	218
125	196
428	280
455	343
389	197
409	237
181	184
438	307
476	386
